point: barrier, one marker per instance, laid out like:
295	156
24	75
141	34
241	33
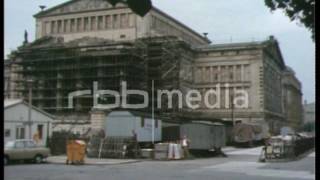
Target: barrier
287	147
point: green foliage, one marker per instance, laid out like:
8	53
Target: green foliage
309	127
140	7
301	10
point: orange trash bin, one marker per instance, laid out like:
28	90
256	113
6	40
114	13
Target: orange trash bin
76	151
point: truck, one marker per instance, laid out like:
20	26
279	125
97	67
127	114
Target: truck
249	133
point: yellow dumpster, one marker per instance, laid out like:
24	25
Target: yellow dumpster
76	150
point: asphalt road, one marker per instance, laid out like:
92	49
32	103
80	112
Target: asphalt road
240	165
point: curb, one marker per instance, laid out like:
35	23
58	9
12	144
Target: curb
93	163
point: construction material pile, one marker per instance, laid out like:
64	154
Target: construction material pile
168	151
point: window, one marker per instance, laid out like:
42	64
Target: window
19	145
123	21
115	21
142	121
108	23
65	26
86	24
79	20
20	133
47	28
100	22
230	75
72	25
30	144
53	26
93	23
40	130
131	20
7	133
59	26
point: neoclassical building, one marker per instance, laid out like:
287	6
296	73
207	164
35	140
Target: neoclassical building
84	41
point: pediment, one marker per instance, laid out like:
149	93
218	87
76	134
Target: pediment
274	49
74	6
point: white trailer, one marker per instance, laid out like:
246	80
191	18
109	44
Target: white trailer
204	135
124	123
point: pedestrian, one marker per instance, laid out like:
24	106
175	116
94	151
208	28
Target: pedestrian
36	137
185	143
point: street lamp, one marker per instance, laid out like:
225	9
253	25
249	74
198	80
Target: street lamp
30	83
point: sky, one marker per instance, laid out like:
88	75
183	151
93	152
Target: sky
225	21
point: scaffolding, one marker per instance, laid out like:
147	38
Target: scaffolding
58	69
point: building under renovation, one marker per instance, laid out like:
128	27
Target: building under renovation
84	41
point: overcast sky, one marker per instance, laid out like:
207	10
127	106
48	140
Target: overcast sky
225	21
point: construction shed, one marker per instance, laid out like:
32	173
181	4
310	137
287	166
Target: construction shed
16	122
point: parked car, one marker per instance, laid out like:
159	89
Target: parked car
24	150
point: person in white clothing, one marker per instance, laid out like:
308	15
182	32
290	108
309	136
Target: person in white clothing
185	142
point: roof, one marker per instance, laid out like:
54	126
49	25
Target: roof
271	41
11	102
207	123
133	113
44	12
54	7
8	103
181	24
226	46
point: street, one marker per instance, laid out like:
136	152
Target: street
240	164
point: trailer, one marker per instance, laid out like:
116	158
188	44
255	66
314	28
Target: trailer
128	123
204	135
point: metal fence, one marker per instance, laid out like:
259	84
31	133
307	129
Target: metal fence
279	148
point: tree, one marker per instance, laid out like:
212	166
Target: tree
301	10
140	7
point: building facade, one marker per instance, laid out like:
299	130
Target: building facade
309	113
292	99
83	41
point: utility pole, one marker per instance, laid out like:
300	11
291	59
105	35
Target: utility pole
152	112
30	82
232	110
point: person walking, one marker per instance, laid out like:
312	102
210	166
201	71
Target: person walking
185	142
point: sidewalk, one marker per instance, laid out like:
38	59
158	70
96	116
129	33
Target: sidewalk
92	161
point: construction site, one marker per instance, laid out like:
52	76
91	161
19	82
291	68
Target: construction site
59	68
78	45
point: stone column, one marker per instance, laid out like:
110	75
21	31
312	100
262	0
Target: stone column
234	73
219	73
97	119
211	74
242	73
203	72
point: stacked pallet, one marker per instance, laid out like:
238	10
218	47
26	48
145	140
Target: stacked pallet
161	151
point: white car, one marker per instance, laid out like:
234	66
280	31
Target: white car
24	150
